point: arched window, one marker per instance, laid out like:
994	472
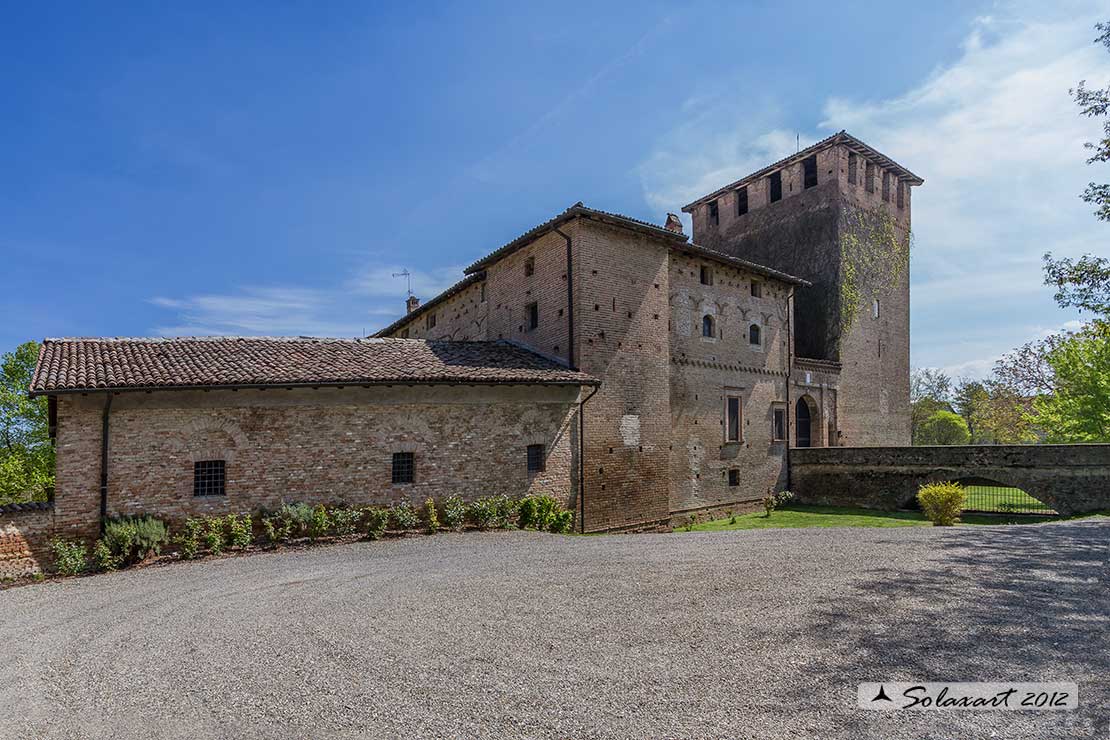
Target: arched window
754	335
707	326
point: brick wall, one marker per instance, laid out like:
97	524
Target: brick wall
706	370
316	446
25	531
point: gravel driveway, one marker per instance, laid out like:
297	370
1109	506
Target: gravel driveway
728	634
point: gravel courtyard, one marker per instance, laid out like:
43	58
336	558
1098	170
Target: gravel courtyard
760	634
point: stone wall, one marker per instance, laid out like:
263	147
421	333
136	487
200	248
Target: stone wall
1070	478
323	445
25	531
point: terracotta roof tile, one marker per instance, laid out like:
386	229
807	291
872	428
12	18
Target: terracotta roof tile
84	364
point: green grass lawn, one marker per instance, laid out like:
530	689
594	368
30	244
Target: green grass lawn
984	498
798	516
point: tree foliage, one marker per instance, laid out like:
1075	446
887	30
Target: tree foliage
1095	103
1082	283
26	453
1079	409
944	428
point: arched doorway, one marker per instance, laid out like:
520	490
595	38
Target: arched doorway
803	424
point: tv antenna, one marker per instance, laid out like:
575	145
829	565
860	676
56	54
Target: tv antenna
407	276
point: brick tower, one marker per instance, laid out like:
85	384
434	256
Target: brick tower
802	215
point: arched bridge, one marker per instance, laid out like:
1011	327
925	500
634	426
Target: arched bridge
1072	479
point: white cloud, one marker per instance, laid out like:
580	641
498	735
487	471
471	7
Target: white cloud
1000	145
361	305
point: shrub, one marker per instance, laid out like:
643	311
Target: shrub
214	534
483	513
454	512
377	519
70	558
563	522
404	516
539	512
507	510
941	502
345	521
189	539
103	559
319	523
239	530
132	539
431	516
276	528
774	500
298	517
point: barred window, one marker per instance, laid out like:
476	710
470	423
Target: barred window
209	477
404	467
537	459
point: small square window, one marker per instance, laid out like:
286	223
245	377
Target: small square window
757	289
404	467
209	477
779	423
533	310
430	322
714	213
706	275
537	459
733	476
529	266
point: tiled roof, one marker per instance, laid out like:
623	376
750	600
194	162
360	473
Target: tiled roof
422	308
840	137
68	365
696	250
575	211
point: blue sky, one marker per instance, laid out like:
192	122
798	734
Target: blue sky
264	169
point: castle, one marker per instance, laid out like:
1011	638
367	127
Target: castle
716	353
629	370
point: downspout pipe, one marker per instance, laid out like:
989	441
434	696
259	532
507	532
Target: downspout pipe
789	373
104	429
570	301
582	459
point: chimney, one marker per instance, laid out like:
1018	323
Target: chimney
673	224
412	304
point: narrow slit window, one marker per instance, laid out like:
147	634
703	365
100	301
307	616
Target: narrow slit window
886	186
483	292
869	178
809	172
530	266
852	165
901	190
742	201
533	315
776	186
404	467
714	213
706	275
732	419
537	459
778	423
209	478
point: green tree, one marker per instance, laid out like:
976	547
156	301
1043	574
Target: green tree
930	389
971	400
1082	283
1096	104
26	453
944	428
1079	410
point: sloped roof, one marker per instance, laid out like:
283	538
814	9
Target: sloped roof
840	137
122	363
